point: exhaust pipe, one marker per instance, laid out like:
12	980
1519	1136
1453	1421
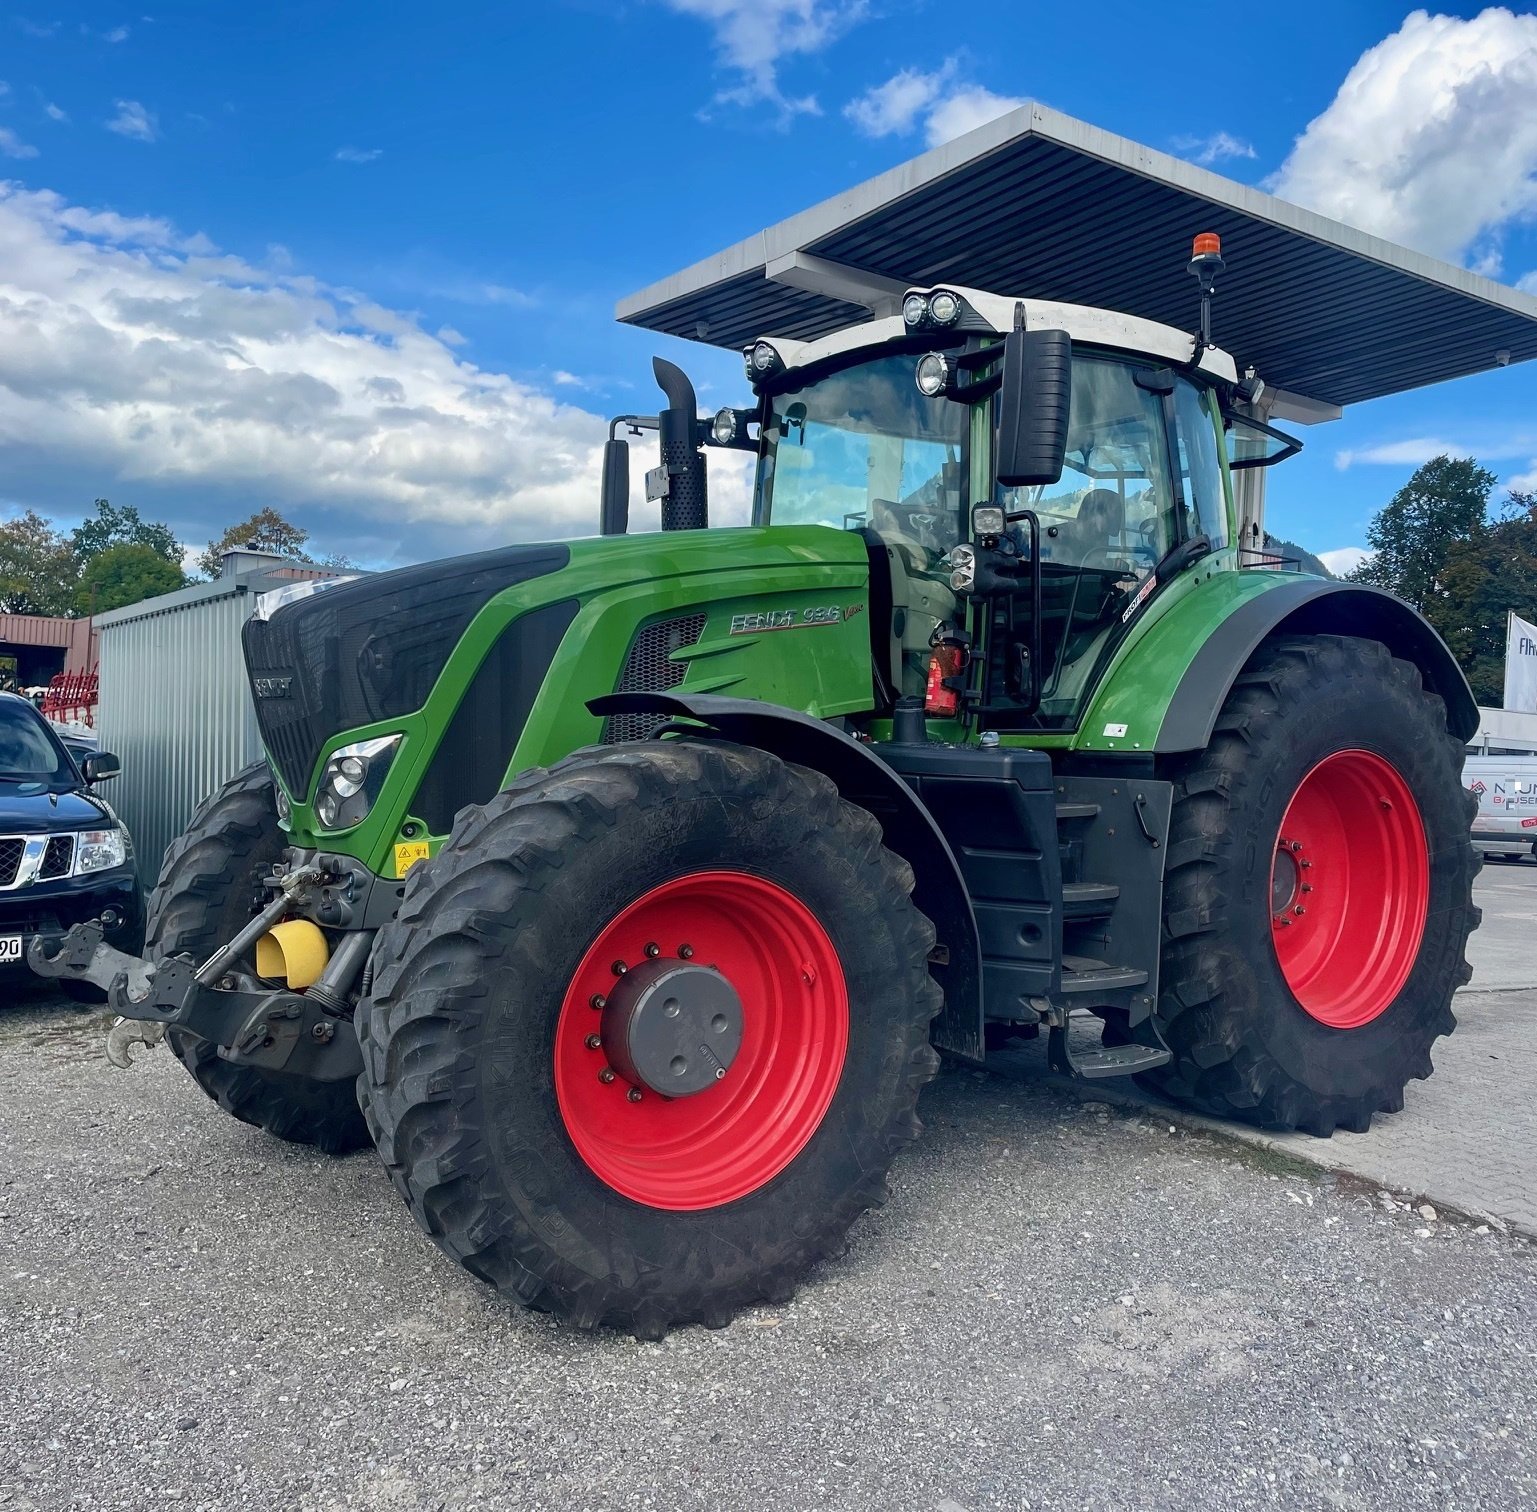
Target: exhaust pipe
685	503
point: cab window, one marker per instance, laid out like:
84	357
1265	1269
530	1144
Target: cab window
1199	465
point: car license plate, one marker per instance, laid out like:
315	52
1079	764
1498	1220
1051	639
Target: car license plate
10	948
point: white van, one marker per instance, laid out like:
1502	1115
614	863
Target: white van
1506	787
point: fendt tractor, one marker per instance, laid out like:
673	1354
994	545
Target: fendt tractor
625	892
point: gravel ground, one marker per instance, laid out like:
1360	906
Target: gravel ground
1065	1305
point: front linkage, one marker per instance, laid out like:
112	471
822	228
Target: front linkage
251	1023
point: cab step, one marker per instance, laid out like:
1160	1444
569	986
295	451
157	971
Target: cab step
1088	900
1093	1063
1081	974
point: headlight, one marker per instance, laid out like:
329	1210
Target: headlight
933	375
943	306
724	427
96	850
915	309
280	800
963	568
352	780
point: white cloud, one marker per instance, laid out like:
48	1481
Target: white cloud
1214	149
117	34
1432	138
358	154
1524	482
1344	559
133	120
1408	453
964	111
138	357
946	107
12	146
753	37
562	379
54	112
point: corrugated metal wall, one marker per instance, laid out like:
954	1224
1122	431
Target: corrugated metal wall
175	708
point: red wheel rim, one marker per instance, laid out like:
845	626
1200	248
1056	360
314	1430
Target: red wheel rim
729	1140
1349	888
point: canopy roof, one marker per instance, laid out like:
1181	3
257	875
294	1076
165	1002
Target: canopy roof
1036	204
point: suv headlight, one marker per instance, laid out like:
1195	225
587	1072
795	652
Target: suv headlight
352	780
96	850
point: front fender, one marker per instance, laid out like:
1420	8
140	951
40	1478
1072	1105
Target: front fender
907	828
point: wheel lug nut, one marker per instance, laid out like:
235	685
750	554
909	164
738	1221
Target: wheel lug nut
606	1075
653	950
619	968
593	1042
597	1000
1299	910
686	952
634	1094
1296	845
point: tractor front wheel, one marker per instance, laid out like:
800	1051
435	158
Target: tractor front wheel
647	1034
1318	893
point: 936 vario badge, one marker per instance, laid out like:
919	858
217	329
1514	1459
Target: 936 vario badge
756	622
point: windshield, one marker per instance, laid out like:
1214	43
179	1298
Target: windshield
27	751
862	448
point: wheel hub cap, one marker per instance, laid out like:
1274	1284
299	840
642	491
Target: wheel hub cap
672	1027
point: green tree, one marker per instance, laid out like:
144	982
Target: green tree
123	575
1482	579
121	525
38	567
1446	500
266	530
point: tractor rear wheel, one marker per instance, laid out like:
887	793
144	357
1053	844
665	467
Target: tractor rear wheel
1318	892
205	895
646	1035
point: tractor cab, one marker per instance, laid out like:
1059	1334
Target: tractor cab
1019	511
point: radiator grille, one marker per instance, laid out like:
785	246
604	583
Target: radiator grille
58	857
11	852
649	669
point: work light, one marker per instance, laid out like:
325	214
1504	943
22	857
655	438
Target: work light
944	307
352	780
933	374
724	427
915	309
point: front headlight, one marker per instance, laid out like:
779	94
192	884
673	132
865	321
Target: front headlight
96	850
352	780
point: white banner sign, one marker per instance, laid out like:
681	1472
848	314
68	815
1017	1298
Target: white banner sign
1521	665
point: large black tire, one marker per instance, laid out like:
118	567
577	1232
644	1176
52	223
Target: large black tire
459	1037
205	895
1243	1045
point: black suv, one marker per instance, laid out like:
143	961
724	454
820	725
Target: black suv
64	857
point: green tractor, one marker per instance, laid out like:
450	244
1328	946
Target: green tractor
624	893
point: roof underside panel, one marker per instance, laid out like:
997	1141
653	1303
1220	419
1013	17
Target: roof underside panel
1038	216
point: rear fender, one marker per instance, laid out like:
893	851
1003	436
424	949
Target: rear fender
1310	606
907	828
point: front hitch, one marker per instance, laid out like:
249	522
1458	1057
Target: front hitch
304	1034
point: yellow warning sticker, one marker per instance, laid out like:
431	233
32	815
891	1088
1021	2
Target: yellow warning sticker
408	853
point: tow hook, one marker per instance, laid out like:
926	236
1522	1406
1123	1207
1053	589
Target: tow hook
126	1033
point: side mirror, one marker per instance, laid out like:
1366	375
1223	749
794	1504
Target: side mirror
1033	407
101	766
614	516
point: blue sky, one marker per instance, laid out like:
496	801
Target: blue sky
361	261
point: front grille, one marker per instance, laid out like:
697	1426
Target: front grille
58	858
649	668
11	852
369	650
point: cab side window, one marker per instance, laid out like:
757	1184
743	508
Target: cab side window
1199	465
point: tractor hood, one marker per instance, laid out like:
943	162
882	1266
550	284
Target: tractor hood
370	649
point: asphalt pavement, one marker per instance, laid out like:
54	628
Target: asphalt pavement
1067	1304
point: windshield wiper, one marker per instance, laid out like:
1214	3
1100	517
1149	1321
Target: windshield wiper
1180	556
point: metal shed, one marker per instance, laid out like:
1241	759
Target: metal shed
1038	205
174	704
